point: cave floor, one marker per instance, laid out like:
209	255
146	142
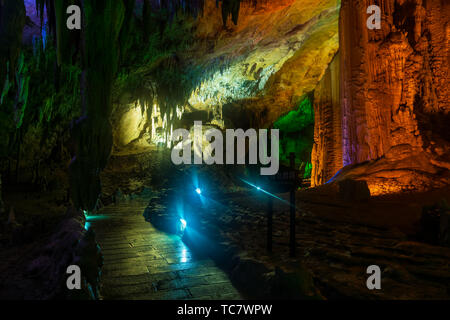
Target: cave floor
337	241
142	263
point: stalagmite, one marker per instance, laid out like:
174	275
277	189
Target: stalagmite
394	98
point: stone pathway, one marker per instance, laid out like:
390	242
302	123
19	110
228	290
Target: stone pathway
142	263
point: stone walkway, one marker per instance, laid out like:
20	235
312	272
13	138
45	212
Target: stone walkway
142	263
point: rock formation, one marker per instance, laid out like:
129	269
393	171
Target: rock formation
12	22
326	157
394	98
72	244
262	66
92	133
383	99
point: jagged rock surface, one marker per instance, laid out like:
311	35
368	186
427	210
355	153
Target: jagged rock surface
326	156
394	99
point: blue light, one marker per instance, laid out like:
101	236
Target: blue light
198	190
264	191
183	224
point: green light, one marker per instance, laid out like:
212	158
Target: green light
297	134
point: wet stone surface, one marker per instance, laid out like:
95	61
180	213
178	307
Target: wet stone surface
143	263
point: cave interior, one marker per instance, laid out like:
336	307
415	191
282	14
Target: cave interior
87	175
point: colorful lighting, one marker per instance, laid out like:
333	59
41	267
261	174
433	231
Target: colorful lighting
264	191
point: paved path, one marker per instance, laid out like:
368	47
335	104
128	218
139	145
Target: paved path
143	263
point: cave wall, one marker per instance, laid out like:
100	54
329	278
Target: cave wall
131	125
394	98
394	79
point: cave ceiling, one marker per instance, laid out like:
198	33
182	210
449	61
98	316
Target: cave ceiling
276	53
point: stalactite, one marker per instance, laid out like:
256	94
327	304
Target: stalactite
14	79
101	45
192	7
12	22
146	20
125	34
67	40
47	7
230	7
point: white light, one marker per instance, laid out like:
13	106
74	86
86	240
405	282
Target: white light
198	191
258	188
183	224
184	256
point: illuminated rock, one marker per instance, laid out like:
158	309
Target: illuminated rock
131	125
275	54
394	99
326	157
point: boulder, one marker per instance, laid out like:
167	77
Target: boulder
72	244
